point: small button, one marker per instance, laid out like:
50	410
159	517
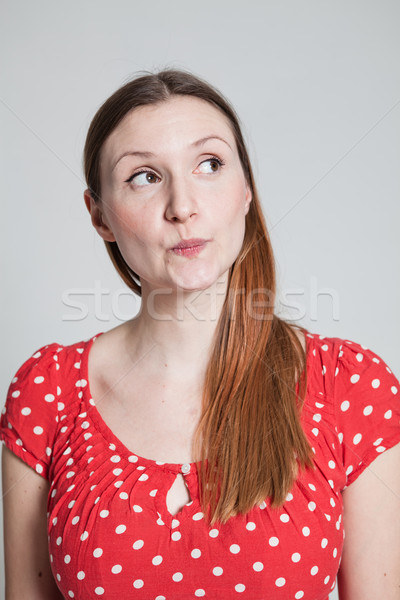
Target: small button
185	468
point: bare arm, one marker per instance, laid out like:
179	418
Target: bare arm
27	562
370	566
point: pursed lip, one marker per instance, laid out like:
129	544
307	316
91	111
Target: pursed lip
192	243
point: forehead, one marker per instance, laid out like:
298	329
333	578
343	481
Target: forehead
180	119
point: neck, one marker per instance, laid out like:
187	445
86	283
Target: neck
175	328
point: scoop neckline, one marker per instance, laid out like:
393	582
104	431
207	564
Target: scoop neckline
110	436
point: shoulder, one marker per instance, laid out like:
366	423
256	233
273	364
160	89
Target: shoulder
36	394
338	364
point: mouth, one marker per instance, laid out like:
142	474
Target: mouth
189	247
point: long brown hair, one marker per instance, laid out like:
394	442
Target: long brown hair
249	444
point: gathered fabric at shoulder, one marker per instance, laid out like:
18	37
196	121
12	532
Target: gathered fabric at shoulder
367	404
29	419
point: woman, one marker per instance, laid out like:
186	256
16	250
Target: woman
205	448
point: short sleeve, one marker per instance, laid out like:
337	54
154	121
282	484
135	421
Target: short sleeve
367	404
29	419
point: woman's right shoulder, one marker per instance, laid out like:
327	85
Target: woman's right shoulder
37	392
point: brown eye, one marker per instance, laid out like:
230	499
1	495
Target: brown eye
215	165
143	178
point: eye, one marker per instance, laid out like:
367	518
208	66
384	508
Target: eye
215	164
143	178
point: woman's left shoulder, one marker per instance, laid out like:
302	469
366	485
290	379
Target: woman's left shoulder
363	394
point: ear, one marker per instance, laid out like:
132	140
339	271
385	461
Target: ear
247	199
97	217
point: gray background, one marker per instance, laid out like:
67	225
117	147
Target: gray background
317	87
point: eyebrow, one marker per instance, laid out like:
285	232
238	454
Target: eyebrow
147	154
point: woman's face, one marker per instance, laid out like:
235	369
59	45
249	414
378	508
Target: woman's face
167	177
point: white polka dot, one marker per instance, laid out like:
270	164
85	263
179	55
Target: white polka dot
289	497
388	414
81	575
326	580
143	477
104	513
359	356
67	559
39	379
198	516
137	508
354	378
218	571
153	493
368	410
378	441
177	576
314	570
284	518
394	389
115	458
138	583
138	544
296	557
120	529
38	430
312	506
116	569
59	540
334	553
317	418
49	397
161	598
84	536
349	470
299	595
71	594
75	520
306	531
280	582
39	468
99	591
381	449
176	536
345	406
117	472
196	553
331	464
124	496
324	543
26	411
240	587
375	383
357	438
234	548
157	560
250	526
199	593
132	458
213	533
273	541
315	431
174	523
97	552
258	566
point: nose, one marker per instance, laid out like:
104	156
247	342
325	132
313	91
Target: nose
181	203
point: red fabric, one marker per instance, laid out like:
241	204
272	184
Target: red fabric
110	534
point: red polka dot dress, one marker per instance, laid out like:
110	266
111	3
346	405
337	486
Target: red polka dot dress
110	533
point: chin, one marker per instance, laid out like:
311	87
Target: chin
203	281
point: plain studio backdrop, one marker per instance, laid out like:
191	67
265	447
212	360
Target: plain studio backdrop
317	88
